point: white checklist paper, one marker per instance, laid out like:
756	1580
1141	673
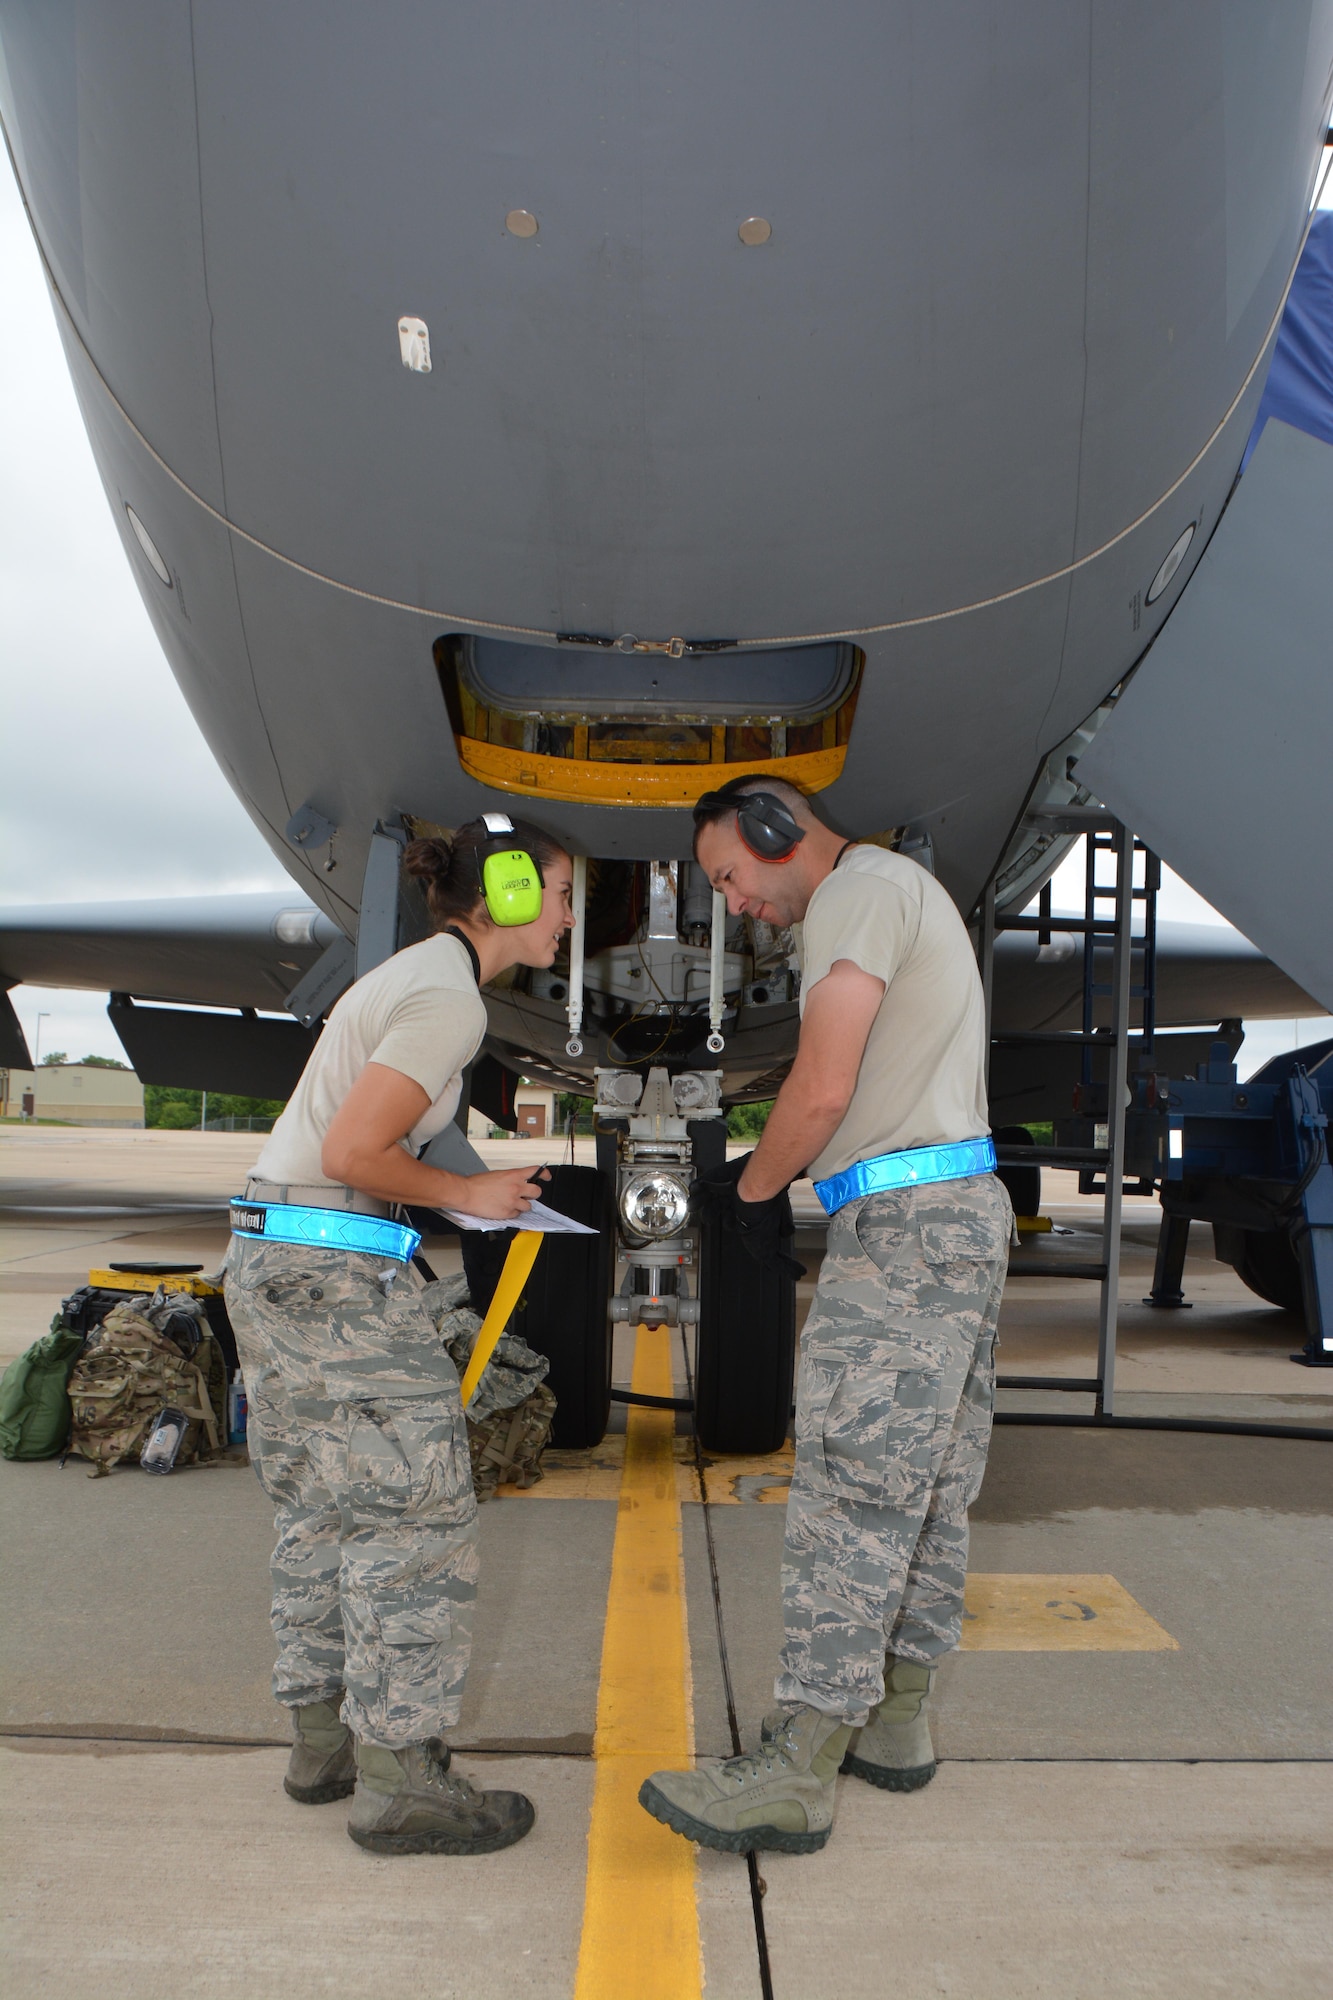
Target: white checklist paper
546	1221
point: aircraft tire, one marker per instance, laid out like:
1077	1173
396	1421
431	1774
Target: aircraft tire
564	1311
746	1348
1268	1264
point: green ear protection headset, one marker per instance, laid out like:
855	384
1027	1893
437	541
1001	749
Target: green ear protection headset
511	878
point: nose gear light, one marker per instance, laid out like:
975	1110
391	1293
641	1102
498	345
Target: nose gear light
654	1204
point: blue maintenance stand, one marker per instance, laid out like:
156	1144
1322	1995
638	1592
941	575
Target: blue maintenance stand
1252	1159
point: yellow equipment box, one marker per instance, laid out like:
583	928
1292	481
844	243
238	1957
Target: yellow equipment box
148	1281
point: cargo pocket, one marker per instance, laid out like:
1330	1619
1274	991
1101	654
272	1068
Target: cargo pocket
971	1231
408	1461
272	1274
866	1430
962	1254
968	1239
421	1624
843	1420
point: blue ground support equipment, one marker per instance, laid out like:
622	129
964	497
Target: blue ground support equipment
915	1167
324	1229
1252	1159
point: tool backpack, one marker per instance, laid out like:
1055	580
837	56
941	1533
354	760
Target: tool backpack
509	1418
146	1353
507	1445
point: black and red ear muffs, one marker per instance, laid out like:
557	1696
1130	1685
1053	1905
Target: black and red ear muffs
767	827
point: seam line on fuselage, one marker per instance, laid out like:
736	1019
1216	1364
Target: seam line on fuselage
455	619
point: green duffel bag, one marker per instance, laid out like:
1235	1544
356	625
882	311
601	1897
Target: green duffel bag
34	1395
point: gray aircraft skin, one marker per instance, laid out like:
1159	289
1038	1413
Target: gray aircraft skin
923	331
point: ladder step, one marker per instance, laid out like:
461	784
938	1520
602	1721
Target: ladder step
1089	1383
1052	1268
1052	1037
1052	1156
1100	926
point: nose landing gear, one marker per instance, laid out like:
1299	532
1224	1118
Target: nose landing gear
653	1137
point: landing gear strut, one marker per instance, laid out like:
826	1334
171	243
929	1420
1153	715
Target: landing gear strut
652	1138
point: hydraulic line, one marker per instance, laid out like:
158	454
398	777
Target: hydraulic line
642	1402
579	899
758	1886
716	949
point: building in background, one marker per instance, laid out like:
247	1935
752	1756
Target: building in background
535	1111
74	1094
534	1108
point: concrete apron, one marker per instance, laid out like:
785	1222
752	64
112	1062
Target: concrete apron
1137	1600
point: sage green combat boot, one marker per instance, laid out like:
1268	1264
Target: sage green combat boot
894	1750
409	1802
780	1797
322	1765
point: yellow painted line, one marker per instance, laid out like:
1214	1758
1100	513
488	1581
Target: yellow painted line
640	1919
575	1475
595	1474
748	1482
1057	1614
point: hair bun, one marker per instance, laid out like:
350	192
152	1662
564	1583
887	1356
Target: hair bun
428	860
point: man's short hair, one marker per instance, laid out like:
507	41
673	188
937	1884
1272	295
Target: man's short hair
722	804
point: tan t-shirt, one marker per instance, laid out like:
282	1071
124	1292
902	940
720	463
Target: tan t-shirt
419	1013
922	1080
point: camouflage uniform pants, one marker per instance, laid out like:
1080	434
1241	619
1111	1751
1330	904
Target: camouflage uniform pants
357	1436
893	1417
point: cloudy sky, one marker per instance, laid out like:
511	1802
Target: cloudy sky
109	789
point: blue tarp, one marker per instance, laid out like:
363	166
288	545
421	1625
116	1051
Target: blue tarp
1299	391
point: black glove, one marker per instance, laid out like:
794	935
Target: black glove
761	1225
713	1193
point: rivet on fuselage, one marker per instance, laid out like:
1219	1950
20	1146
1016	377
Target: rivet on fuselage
521	222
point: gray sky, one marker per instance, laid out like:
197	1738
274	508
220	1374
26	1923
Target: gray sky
110	791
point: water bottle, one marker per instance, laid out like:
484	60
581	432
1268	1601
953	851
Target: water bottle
164	1440
237	1409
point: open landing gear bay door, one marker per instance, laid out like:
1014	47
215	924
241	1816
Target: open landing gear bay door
1219	753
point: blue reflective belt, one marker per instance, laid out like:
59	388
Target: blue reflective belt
324	1228
913	1168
